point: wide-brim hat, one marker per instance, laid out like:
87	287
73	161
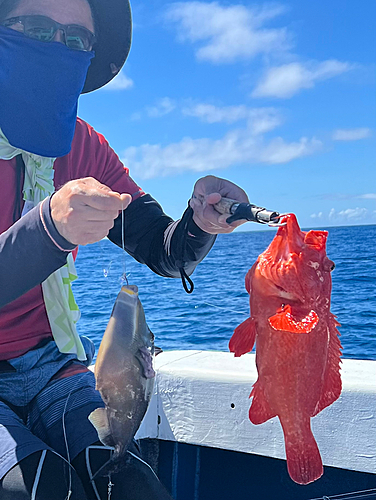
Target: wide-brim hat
113	25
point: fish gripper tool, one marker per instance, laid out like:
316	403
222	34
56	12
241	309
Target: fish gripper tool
247	211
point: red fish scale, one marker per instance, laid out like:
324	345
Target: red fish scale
298	372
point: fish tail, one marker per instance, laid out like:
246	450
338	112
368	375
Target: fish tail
304	462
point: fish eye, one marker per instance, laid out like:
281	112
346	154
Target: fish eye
328	265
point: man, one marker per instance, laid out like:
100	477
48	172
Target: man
51	51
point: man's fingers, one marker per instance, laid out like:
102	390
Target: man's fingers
97	215
213	198
88	191
107	201
208	218
92	232
84	210
126	199
91	214
91	182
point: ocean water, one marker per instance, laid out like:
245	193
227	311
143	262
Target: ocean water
206	319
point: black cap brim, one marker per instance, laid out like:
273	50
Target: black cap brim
113	24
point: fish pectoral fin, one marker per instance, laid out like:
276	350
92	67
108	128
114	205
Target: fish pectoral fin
259	411
243	338
100	421
146	360
284	321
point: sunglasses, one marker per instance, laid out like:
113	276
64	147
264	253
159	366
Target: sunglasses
44	29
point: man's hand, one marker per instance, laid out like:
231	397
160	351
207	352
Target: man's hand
84	210
208	191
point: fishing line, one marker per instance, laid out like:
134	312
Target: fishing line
106	271
124	275
110	483
354	495
218	307
110	486
226	309
88	465
145	463
66	445
66	440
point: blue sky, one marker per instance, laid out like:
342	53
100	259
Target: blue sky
277	97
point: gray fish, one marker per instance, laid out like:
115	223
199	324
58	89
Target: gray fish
124	374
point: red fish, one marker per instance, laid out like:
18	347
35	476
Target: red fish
297	345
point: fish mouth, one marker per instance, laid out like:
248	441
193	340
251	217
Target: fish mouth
281	292
279	265
284	293
275	280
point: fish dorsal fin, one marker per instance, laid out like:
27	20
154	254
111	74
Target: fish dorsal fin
332	384
284	321
100	421
243	338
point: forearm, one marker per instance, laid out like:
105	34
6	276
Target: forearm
154	239
30	251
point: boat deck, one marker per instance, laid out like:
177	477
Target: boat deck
197	425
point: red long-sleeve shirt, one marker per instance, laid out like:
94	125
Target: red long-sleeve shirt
24	322
28	255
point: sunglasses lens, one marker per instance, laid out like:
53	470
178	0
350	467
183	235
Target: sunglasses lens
44	29
78	38
40	34
39	28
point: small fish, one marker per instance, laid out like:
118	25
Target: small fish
124	375
297	345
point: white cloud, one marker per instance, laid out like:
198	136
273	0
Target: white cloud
347	196
237	147
120	82
137	115
368	196
285	81
260	120
354	134
278	151
214	114
228	33
351	215
163	107
348	215
264	120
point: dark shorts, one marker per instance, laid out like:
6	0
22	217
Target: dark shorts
56	419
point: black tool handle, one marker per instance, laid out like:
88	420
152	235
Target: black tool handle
245	211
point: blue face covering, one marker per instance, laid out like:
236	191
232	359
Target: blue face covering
40	84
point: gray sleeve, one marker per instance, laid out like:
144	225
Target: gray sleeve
30	251
169	248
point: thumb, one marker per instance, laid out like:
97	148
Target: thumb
125	200
213	198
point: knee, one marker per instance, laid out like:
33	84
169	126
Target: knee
43	475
